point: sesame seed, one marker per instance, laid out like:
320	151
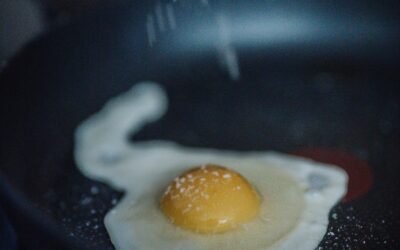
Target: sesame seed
223	221
205	195
227	176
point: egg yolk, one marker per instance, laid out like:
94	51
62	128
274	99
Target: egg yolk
210	199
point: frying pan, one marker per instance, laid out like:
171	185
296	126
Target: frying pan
240	75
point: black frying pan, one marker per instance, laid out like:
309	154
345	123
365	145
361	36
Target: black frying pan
312	75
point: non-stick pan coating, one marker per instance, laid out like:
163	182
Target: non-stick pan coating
283	102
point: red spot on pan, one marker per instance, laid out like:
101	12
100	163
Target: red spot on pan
360	175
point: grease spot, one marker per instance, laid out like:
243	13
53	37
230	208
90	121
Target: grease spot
360	174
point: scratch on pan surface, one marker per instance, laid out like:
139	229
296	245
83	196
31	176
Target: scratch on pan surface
227	53
159	16
151	32
171	16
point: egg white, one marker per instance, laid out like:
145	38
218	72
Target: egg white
297	194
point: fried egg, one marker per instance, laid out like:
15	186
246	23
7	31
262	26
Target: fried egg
244	200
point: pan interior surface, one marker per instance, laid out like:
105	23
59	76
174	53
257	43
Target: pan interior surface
284	101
